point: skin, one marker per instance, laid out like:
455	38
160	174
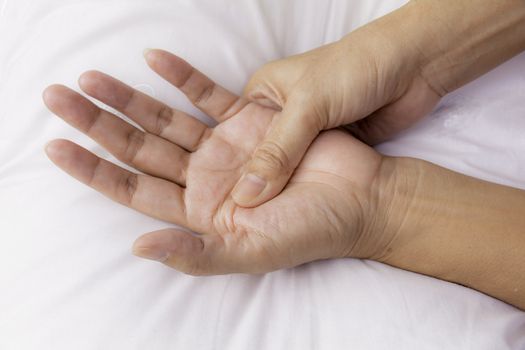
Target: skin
377	80
343	200
190	170
456	228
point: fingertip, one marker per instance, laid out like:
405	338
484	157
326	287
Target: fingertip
71	158
169	240
56	150
151	54
146	52
248	189
151	57
52	93
160	61
86	79
53	88
46	92
174	248
150	254
52	148
148	241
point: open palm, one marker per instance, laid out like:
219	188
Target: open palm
188	171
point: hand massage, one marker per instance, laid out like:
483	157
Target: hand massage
291	172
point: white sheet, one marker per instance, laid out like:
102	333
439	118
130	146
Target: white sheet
67	278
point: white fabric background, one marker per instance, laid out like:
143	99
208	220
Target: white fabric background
67	278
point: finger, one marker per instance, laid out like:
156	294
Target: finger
212	99
277	156
154	116
180	250
149	195
199	255
146	152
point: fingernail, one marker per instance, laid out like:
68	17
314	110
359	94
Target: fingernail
248	188
151	253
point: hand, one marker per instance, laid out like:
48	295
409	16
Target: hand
327	209
343	200
369	81
378	80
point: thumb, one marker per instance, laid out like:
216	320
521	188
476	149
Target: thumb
180	250
201	255
185	252
277	155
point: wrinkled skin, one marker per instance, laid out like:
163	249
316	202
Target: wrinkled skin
189	170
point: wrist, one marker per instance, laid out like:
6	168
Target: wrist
385	209
392	196
453	227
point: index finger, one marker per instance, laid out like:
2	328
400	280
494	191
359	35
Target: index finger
212	99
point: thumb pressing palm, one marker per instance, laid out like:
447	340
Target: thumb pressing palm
363	82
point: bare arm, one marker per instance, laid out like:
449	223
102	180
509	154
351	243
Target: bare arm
455	41
404	212
381	79
455	228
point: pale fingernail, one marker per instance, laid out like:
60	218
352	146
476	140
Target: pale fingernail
151	253
248	188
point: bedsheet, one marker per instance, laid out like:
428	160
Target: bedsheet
67	277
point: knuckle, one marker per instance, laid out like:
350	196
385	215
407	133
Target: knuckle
255	80
204	95
261	76
270	156
164	118
265	70
134	142
261	81
92	122
265	94
95	173
128	188
270	67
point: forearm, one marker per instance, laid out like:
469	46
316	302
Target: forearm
452	42
456	228
465	39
